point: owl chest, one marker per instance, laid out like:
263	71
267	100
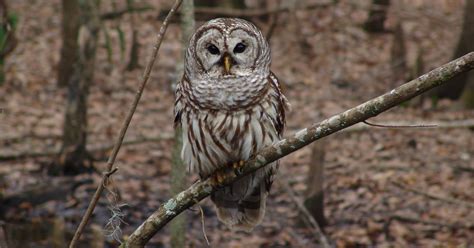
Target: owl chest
215	139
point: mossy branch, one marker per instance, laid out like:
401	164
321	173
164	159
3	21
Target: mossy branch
201	189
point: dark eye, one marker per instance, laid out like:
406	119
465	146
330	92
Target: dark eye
239	48
213	49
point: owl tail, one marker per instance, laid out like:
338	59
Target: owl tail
240	214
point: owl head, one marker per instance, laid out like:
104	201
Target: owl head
226	48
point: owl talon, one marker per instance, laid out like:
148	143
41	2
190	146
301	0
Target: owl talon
238	165
218	177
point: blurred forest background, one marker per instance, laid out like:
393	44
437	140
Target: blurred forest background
69	71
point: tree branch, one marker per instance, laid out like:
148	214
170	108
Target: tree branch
123	130
202	189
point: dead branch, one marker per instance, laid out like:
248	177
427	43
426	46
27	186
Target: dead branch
90	148
433	196
371	108
309	220
126	123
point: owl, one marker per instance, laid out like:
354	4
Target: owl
229	106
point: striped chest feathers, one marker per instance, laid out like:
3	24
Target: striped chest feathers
212	139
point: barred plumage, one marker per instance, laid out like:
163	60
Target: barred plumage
230	106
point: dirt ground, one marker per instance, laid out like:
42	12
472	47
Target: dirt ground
378	181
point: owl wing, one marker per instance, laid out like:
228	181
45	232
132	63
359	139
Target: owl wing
281	104
178	104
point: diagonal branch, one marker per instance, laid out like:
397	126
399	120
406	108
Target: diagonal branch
202	189
123	130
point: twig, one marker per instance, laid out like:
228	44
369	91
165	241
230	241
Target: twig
400	126
371	108
313	224
90	148
204	226
434	197
439	125
123	130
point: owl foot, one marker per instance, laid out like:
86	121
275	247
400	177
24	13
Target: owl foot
238	165
219	176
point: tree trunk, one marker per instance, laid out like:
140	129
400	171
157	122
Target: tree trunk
314	201
178	171
377	15
73	152
70	32
398	57
454	89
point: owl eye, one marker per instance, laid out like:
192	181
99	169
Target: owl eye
239	48
213	49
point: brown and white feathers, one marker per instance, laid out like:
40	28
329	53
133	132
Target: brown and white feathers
230	106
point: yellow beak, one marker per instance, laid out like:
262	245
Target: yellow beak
227	63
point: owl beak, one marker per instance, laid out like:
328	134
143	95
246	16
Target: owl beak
227	63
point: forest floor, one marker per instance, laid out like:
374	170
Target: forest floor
377	181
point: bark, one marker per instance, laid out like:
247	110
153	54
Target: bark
377	16
314	201
74	155
71	22
455	88
178	170
201	189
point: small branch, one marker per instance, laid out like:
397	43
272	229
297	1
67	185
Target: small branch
203	225
202	189
439	125
399	126
313	224
434	197
126	123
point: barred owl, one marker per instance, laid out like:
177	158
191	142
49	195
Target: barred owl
230	106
